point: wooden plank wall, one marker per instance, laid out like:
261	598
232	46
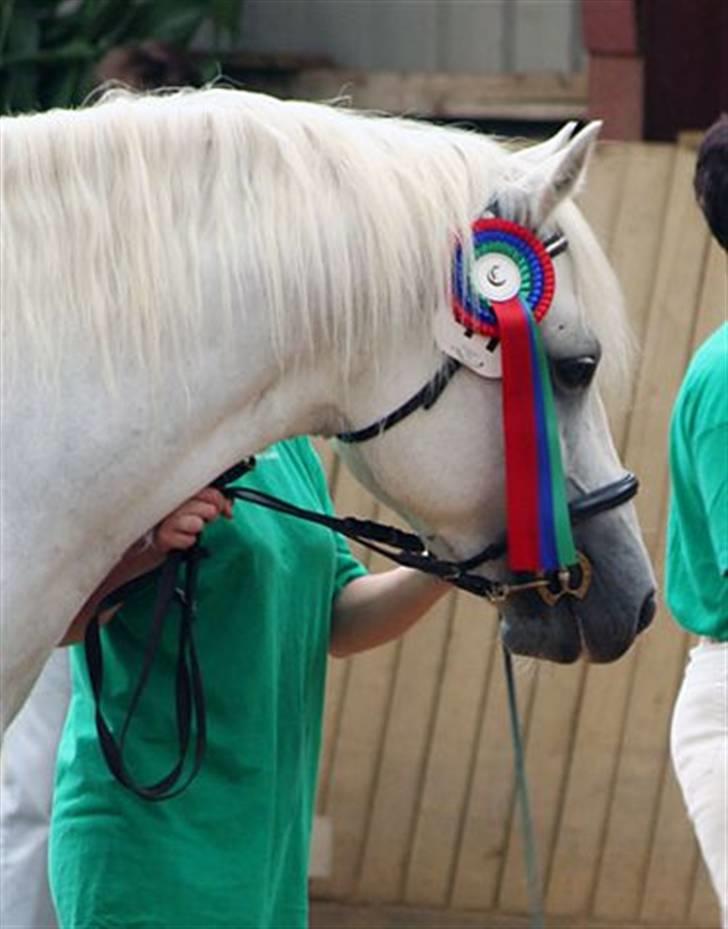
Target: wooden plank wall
417	766
421	35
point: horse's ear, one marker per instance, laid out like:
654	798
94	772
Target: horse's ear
532	195
535	154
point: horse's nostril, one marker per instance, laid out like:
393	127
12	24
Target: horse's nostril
647	613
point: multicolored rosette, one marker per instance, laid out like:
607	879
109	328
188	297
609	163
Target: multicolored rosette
503	294
506	256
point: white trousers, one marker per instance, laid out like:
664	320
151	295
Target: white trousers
699	747
27	769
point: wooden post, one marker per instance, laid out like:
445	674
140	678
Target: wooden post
616	72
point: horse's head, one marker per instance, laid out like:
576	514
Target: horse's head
443	468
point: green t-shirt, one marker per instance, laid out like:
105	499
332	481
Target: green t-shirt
697	539
232	851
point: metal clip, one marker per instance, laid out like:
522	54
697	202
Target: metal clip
552	597
502	592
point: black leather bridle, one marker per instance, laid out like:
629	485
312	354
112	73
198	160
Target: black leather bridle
404	548
552	587
460	573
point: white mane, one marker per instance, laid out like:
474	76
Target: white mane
343	222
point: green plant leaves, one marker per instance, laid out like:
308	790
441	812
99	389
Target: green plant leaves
49	48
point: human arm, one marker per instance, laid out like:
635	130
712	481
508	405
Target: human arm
377	608
369	609
177	531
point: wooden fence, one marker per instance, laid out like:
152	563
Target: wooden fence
417	782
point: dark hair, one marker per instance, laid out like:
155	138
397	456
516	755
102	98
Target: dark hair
711	179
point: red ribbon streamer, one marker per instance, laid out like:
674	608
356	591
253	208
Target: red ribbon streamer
521	447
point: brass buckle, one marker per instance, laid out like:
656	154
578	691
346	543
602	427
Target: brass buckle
551	597
502	592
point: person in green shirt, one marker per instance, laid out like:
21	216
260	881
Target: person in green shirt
697	554
276	596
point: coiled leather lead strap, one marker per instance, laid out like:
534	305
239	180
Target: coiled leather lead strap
189	690
190	699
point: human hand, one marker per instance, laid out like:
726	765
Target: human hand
182	527
179	530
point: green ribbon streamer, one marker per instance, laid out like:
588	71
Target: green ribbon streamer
562	524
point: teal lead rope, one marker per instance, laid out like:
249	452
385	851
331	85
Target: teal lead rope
535	894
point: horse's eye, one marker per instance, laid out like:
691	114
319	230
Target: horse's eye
575	373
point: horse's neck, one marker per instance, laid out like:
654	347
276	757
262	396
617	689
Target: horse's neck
129	458
161	450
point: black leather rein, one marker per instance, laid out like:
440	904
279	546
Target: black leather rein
408	549
404	548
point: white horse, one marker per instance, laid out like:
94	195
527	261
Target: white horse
190	277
